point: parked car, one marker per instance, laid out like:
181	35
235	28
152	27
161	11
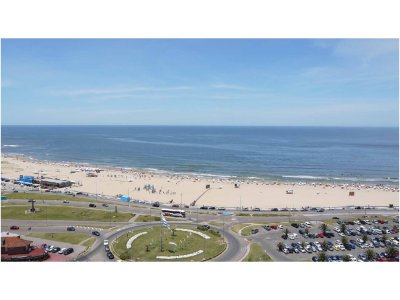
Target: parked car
92	205
156	204
175	205
96	233
104	205
254	231
65	201
14	227
110	255
105	242
55	249
107	248
68	251
256	209
70	228
203	227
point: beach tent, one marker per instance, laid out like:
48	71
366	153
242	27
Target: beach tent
27	180
124	198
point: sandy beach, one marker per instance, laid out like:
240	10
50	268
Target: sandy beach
186	189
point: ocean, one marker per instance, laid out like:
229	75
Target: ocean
317	154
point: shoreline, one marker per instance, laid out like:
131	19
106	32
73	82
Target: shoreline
186	189
284	179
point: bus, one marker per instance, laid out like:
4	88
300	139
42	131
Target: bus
173	212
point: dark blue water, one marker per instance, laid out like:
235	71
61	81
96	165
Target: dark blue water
285	153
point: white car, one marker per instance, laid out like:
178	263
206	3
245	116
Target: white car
62	251
105	242
280	227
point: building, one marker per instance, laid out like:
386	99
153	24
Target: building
53	183
15	245
14	248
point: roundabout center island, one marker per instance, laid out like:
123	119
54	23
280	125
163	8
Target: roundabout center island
177	243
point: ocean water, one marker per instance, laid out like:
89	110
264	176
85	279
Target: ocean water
275	153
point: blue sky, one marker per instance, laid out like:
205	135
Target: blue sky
294	82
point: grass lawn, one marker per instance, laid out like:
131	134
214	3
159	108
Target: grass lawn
47	196
257	253
261	215
186	243
147	218
64	213
236	228
217	224
247	230
89	242
67	237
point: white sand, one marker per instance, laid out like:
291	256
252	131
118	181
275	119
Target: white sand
113	181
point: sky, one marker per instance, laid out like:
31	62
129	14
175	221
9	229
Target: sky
249	82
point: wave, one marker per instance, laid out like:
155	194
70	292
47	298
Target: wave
12	146
352	179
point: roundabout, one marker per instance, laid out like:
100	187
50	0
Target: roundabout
179	243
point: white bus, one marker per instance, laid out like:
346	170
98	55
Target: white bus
173	212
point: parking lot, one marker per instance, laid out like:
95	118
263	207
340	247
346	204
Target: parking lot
351	238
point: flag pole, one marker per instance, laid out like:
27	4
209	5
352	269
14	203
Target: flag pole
161	231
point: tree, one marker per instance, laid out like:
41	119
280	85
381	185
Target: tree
392	252
322	256
324	245
306	230
286	232
370	254
303	244
346	258
280	246
342	227
384	237
345	240
365	238
324	228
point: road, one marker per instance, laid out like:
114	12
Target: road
237	245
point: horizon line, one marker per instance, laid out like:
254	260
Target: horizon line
205	125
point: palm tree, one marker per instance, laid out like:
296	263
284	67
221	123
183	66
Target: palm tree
370	254
322	256
342	227
392	252
346	258
345	240
306	230
365	238
280	246
324	228
286	232
384	237
324	245
303	244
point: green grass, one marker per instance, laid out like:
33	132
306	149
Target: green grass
247	230
147	218
261	215
64	213
257	253
89	242
67	237
236	228
217	224
186	244
47	196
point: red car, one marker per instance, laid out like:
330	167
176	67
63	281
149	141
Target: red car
14	227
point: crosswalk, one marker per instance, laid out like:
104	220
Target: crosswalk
90	228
